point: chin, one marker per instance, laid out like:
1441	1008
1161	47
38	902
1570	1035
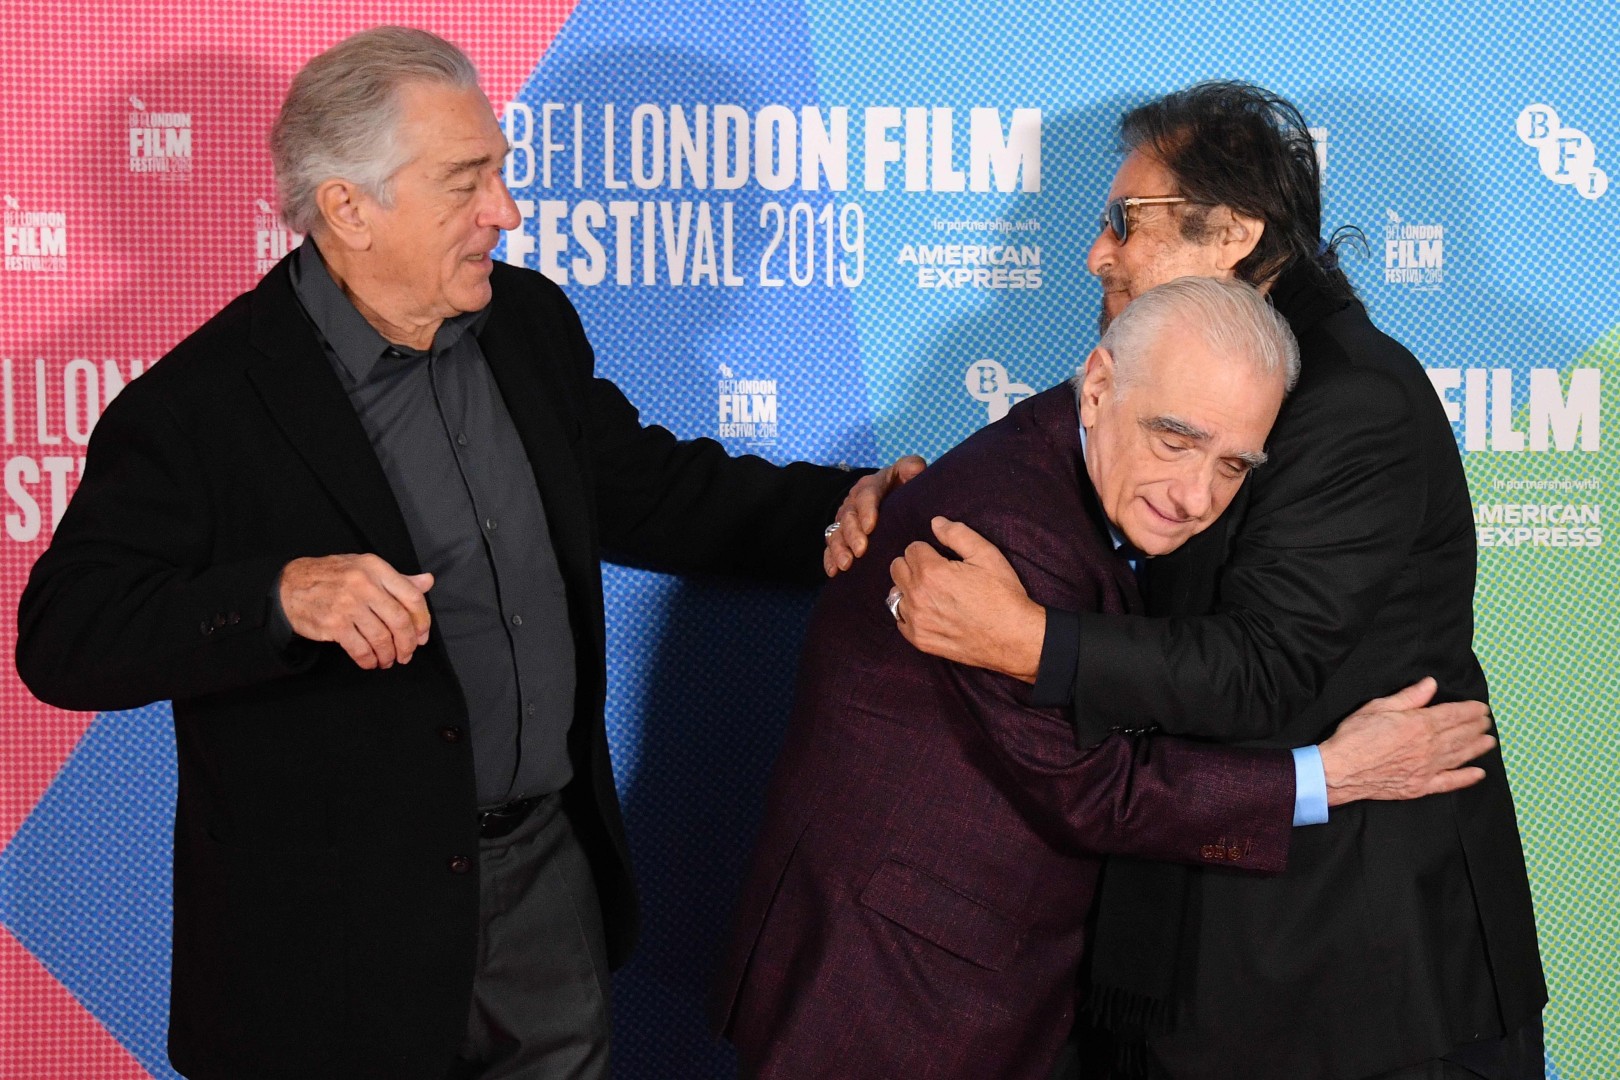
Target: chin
1155	543
473	297
1113	302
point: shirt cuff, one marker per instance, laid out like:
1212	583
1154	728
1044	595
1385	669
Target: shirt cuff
1310	787
1060	659
281	631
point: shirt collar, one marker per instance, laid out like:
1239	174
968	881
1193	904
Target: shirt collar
354	341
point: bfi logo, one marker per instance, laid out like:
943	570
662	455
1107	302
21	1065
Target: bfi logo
1567	155
988	382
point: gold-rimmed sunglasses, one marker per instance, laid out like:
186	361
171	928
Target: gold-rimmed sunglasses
1116	216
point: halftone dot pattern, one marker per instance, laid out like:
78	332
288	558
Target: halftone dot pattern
699	674
45	1034
701	677
148	258
84	884
1419	105
1419	102
1546	617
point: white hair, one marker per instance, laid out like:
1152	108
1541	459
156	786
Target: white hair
341	116
1234	319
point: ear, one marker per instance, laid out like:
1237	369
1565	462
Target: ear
1237	235
345	214
1096	384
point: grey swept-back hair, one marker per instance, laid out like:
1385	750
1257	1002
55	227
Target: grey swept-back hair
341	116
1233	318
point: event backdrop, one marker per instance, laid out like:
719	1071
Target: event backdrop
827	230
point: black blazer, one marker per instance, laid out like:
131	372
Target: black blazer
1343	571
325	910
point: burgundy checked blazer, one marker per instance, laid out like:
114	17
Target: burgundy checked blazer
918	896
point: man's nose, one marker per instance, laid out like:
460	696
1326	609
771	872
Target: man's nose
1192	493
1101	255
502	211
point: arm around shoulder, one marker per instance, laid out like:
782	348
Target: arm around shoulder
1326	530
686	505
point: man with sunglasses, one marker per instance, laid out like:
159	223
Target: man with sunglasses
1400	944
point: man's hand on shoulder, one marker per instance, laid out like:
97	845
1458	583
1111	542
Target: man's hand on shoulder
973	610
1396	748
378	615
858	513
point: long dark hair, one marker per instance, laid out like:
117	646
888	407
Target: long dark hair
1240	146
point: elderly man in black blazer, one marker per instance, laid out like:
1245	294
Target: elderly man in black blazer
1401	943
351	526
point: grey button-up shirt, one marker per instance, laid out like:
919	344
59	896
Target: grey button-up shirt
461	477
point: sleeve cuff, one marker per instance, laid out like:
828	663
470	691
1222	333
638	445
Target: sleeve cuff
1310	787
281	631
1060	657
298	653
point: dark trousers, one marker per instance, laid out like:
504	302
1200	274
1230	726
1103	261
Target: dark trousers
1519	1056
540	1000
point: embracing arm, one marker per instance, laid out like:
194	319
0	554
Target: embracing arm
1320	547
1322	542
1184	801
686	505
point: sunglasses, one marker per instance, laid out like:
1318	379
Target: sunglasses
1116	216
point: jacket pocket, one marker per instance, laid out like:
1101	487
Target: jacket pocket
937	912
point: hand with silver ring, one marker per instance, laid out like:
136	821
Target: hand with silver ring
893	604
829	530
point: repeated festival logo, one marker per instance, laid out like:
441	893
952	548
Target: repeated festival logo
35	240
1414	254
272	240
159	142
747	408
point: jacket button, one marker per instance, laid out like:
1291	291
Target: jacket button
450	734
207	628
219	619
235	618
460	864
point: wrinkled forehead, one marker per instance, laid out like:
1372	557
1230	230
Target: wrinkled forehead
1181	375
445	124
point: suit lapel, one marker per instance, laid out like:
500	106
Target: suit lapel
521	356
304	398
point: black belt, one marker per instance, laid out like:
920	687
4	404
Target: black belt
500	820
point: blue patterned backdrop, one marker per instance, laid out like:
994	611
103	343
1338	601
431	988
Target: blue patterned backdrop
1435	122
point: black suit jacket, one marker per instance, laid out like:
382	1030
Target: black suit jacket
325	905
1343	571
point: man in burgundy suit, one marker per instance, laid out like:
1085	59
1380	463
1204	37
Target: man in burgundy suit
918	897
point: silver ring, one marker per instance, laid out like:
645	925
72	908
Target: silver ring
826	534
892	602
